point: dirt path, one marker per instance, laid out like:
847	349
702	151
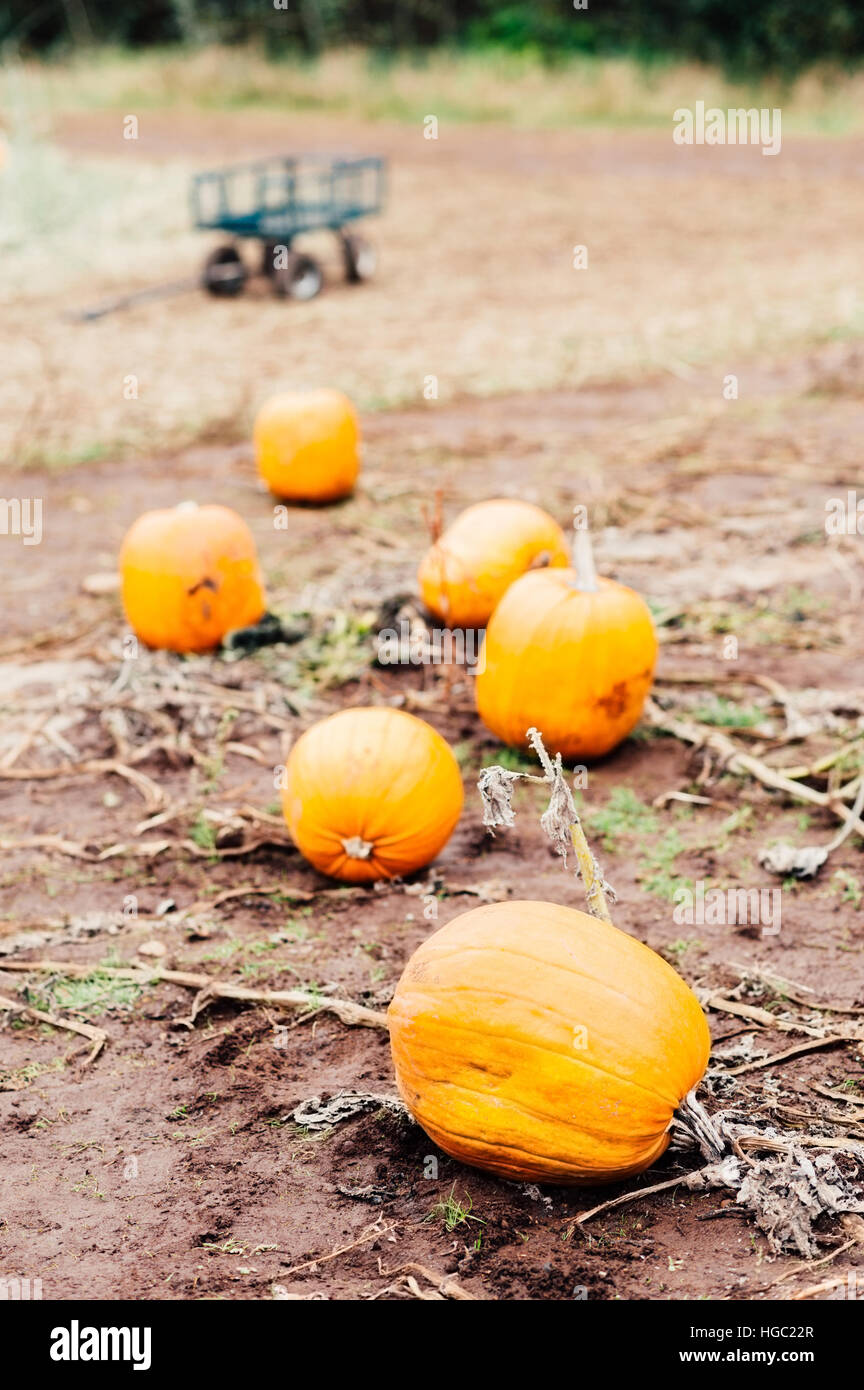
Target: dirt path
694	256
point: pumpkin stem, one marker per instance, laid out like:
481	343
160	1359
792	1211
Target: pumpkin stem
691	1124
562	819
590	872
583	561
356	848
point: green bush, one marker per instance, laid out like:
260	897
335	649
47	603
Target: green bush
743	36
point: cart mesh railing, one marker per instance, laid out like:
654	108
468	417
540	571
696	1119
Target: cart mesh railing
281	197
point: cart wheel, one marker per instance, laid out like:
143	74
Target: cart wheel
361	258
224	272
299	278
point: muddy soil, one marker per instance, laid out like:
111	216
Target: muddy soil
171	1166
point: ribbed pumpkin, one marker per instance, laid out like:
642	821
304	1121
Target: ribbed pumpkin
474	562
371	793
539	1043
576	663
307	445
189	575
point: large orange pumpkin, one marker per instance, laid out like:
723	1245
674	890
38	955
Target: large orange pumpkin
189	575
307	445
575	664
540	1043
371	793
474	562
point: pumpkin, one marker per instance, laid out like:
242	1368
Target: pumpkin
371	793
188	575
474	562
539	1043
307	445
569	653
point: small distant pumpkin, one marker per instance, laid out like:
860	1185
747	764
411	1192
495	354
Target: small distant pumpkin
541	1044
570	654
371	793
189	575
488	546
307	445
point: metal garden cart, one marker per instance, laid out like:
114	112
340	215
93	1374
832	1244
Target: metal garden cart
274	200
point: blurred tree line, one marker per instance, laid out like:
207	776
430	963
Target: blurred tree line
743	36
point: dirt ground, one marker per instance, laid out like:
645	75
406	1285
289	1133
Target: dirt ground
696	256
172	1165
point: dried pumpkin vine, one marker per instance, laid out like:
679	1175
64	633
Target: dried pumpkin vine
784	1192
691	1125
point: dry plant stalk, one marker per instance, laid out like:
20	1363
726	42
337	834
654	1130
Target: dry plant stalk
209	989
560	821
377	1230
785	1192
806	861
741	763
444	1285
97	1036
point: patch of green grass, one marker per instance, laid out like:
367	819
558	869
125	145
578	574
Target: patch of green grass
213	768
726	714
89	1187
646	733
17	1078
797	604
513	760
87	997
454	1213
676	950
340	652
294	932
223	950
316	993
462	752
740	819
848	886
261	948
251	953
203	832
790	617
623	814
252	969
657	868
227	1247
479	81
56	460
